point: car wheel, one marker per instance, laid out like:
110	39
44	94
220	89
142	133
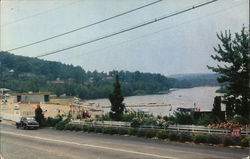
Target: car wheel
17	126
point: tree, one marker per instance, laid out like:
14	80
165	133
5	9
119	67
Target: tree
39	115
233	57
217	108
116	99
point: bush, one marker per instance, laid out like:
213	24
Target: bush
173	136
162	134
122	131
183	118
132	131
136	122
212	139
228	141
53	121
109	130
200	138
150	133
185	137
240	119
98	129
61	125
85	128
141	133
207	119
245	141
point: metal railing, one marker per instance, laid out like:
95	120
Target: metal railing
178	128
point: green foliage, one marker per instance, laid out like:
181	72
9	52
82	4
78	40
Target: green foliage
110	130
62	124
32	74
200	138
212	139
228	141
240	119
245	141
183	118
53	121
207	119
184	137
116	99
162	134
233	54
123	131
173	136
217	108
132	131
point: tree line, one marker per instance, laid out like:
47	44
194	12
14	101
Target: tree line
24	74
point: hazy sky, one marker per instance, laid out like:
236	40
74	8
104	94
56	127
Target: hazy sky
181	44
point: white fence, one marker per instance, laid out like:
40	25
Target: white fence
182	128
12	117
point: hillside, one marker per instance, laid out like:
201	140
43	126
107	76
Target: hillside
24	74
198	79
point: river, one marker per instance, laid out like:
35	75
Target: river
201	97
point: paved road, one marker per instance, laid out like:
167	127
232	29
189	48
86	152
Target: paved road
51	144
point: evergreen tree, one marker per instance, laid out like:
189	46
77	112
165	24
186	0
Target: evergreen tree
217	108
233	54
116	99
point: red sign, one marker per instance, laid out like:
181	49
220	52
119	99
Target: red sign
235	132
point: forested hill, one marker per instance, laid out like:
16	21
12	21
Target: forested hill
23	74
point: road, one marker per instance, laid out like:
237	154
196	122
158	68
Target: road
47	143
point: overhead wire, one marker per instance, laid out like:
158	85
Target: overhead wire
85	26
131	28
164	29
38	14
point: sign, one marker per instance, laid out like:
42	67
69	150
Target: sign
235	132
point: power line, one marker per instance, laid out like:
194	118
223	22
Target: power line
38	14
164	29
130	28
86	26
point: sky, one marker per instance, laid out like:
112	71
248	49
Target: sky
177	45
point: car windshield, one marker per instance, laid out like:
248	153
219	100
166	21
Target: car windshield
30	119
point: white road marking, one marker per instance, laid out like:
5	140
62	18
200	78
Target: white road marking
88	145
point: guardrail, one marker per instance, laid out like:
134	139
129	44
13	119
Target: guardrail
178	128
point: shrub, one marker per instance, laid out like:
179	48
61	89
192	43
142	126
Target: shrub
240	119
212	139
61	125
85	128
150	133
53	121
173	136
109	130
136	122
200	138
98	129
207	119
185	137
227	141
245	141
132	131
141	133
162	134
183	118
122	131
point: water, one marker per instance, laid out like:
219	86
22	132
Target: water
201	97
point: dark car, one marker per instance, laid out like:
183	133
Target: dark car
27	122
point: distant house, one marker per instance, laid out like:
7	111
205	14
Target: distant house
32	97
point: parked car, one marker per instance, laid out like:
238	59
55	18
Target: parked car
27	122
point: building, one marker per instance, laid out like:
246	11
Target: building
32	97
